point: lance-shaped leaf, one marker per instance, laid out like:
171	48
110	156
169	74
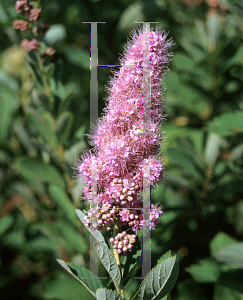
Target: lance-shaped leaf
133	270
96	234
109	262
159	281
104	294
83	275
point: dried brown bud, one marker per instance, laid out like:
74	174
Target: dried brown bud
48	53
41	29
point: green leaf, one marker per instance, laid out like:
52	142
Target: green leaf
182	61
83	275
55	34
211	152
7	107
132	12
64	126
72	154
231	255
176	157
224	293
5	223
232	279
78	57
24	138
104	294
96	234
63	287
44	125
188	290
63	202
164	257
227	124
237	71
206	271
159	281
50	69
220	240
133	270
36	169
109	262
64	235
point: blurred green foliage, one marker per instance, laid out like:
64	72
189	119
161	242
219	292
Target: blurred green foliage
44	113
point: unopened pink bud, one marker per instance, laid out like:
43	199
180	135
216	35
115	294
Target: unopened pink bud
131	216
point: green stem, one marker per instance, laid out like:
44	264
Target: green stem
116	255
47	89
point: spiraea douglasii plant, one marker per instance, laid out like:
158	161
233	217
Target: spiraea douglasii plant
44	113
123	160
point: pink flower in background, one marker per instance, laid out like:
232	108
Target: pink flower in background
20	24
22	7
32	45
34	14
121	149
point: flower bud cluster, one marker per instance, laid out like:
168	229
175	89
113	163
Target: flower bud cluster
123	242
122	191
32	14
101	218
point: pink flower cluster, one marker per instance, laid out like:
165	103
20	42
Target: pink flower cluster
32	45
20	24
32	14
24	8
122	150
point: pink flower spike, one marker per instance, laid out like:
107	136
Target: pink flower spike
125	151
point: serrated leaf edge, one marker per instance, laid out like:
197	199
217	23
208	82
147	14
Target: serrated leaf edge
120	297
66	267
135	297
